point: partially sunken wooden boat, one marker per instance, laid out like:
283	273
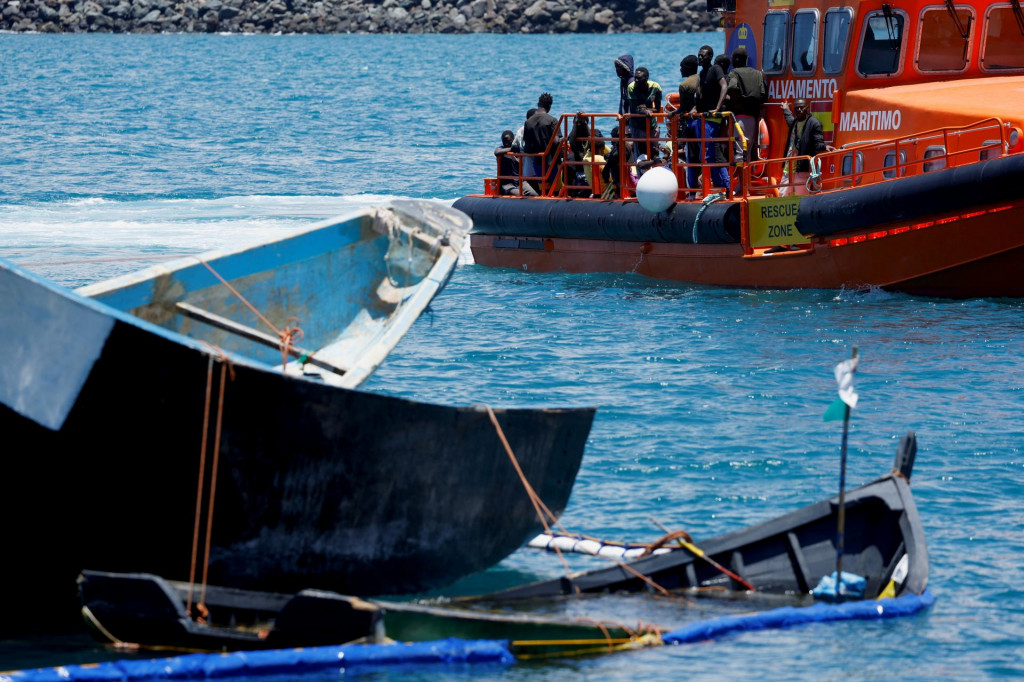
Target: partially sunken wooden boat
118	408
789	555
783	560
150	612
919	190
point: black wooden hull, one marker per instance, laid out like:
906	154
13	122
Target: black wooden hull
318	486
787	555
148	611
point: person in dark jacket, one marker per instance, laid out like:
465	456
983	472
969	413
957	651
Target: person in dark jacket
747	94
713	89
508	167
688	127
624	70
538	133
805	138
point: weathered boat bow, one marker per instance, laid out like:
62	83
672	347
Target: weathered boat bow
125	411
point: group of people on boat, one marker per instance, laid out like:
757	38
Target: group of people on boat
717	119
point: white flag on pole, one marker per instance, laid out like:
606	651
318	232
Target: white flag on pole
844	377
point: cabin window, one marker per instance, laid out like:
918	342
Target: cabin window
890	163
881	45
837	33
1003	48
847	168
774	48
805	42
943	40
990	149
934	152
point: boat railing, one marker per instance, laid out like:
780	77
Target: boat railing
659	138
915	154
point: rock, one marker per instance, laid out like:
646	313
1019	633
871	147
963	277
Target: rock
345	16
535	9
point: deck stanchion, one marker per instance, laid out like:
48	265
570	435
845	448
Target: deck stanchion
840	530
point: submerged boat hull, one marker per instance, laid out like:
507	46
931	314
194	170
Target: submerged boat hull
884	543
105	416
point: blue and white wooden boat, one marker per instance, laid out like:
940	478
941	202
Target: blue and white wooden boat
353	285
112	403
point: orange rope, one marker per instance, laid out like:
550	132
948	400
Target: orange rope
199	486
635	572
226	367
213	483
286	337
538	504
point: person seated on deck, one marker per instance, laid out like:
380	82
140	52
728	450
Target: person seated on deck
644	99
538	133
576	180
611	172
594	160
713	88
508	167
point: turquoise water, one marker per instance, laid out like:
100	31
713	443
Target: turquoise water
711	400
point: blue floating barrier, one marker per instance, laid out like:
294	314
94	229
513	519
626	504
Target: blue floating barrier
273	662
789	616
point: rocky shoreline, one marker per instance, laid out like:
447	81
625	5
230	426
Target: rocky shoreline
355	16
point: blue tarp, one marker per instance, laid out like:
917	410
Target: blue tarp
275	662
788	616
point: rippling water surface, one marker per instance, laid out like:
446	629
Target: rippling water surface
710	400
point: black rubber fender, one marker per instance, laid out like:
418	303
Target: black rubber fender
949	190
719	223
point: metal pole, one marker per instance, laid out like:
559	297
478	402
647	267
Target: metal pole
840	537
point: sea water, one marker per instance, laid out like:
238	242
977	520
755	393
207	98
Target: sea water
117	149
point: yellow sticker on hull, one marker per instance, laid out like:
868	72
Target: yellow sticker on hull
773	222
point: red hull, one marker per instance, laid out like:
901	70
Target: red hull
980	253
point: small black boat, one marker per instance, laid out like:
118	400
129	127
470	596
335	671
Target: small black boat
884	543
146	611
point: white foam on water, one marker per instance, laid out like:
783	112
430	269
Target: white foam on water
86	239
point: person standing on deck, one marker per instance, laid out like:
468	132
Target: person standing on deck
537	134
624	70
805	138
688	127
747	94
713	89
643	97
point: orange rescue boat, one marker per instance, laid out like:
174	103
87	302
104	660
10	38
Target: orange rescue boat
921	191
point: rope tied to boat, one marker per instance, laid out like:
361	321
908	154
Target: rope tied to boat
706	201
813	183
288	336
538	504
227	370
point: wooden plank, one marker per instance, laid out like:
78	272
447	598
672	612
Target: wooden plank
256	335
796	558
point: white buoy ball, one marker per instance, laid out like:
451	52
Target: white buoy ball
657	189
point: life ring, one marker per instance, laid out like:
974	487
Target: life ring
764	143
